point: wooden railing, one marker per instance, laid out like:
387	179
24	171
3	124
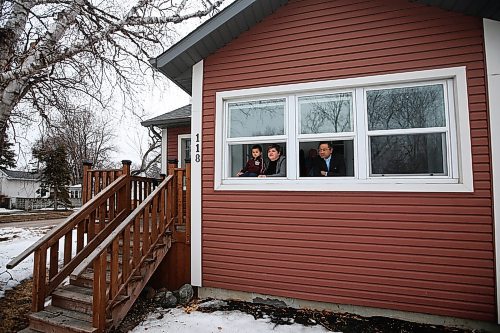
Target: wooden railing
96	218
121	214
134	240
94	181
181	197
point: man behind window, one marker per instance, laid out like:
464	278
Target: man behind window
326	165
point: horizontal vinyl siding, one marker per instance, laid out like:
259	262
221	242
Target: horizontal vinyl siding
173	140
430	253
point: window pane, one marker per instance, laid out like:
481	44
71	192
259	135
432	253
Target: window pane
409	154
257	118
240	154
326	113
411	107
341	162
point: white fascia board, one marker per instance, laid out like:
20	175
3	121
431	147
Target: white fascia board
492	49
196	127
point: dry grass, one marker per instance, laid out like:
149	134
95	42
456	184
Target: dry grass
14	308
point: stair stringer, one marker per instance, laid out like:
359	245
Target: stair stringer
134	289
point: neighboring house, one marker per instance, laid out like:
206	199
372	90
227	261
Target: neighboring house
406	92
176	126
75	195
20	184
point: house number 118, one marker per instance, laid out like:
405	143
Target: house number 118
197	156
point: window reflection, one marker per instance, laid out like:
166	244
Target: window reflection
257	118
408	154
410	107
326	113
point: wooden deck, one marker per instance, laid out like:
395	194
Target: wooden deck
124	232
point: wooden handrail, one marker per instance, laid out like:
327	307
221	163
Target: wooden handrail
63	228
135	249
118	230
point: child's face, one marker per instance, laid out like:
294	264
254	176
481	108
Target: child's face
256	153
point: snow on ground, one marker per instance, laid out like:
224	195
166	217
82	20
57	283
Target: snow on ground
178	321
10	211
13	241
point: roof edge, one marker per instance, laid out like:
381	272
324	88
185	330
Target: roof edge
202	31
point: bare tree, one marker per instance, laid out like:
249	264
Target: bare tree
56	50
149	154
87	137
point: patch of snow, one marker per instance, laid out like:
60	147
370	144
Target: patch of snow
10	211
177	320
13	241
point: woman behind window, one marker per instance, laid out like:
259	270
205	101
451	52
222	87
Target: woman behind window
277	164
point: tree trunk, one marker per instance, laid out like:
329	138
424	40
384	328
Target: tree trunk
10	95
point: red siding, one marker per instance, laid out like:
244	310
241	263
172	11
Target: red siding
430	253
173	140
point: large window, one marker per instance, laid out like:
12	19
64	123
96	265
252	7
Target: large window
396	132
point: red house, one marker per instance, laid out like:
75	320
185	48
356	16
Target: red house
399	100
404	91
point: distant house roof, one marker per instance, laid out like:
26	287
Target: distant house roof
241	15
22	174
177	117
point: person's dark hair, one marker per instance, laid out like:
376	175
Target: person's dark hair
275	146
326	143
259	147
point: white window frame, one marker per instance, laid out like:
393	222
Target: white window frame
459	178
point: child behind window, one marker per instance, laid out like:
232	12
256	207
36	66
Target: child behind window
255	166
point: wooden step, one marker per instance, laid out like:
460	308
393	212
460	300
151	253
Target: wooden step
28	330
58	320
77	298
86	279
73	298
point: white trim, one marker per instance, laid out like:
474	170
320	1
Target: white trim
492	49
179	147
196	128
460	181
164	152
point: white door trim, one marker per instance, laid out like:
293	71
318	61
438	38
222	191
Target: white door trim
164	148
492	49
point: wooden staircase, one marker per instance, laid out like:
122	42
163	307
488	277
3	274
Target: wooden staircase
90	269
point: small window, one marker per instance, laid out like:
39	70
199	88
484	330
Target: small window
407	131
257	118
326	113
413	154
341	161
242	153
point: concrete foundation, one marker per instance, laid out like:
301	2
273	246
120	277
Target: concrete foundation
204	292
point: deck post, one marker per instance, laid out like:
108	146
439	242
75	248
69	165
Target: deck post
172	165
87	165
126	199
188	201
